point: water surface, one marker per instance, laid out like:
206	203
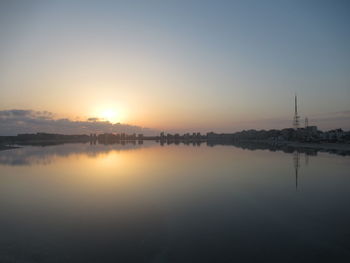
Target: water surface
173	203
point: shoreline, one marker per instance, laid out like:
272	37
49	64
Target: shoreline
325	145
6	147
336	148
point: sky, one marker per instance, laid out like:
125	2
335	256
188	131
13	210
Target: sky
177	66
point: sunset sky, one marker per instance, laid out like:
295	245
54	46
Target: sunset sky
178	65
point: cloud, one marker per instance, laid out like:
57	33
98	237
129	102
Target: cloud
94	119
17	121
25	113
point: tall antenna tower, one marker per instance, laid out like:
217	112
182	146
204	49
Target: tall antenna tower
296	121
306	122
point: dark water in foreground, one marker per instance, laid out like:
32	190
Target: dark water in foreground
177	203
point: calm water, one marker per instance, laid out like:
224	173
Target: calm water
174	203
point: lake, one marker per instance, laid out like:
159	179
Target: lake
172	203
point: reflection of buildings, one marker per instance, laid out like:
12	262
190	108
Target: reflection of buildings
306	159
296	159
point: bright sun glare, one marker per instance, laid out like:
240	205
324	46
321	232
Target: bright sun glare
110	115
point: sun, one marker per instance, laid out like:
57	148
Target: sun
110	112
110	115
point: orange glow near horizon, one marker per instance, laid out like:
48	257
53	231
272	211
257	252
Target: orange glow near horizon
110	113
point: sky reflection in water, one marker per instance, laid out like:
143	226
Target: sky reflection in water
177	203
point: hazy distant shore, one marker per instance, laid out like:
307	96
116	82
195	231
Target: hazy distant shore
287	146
6	147
338	141
325	145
